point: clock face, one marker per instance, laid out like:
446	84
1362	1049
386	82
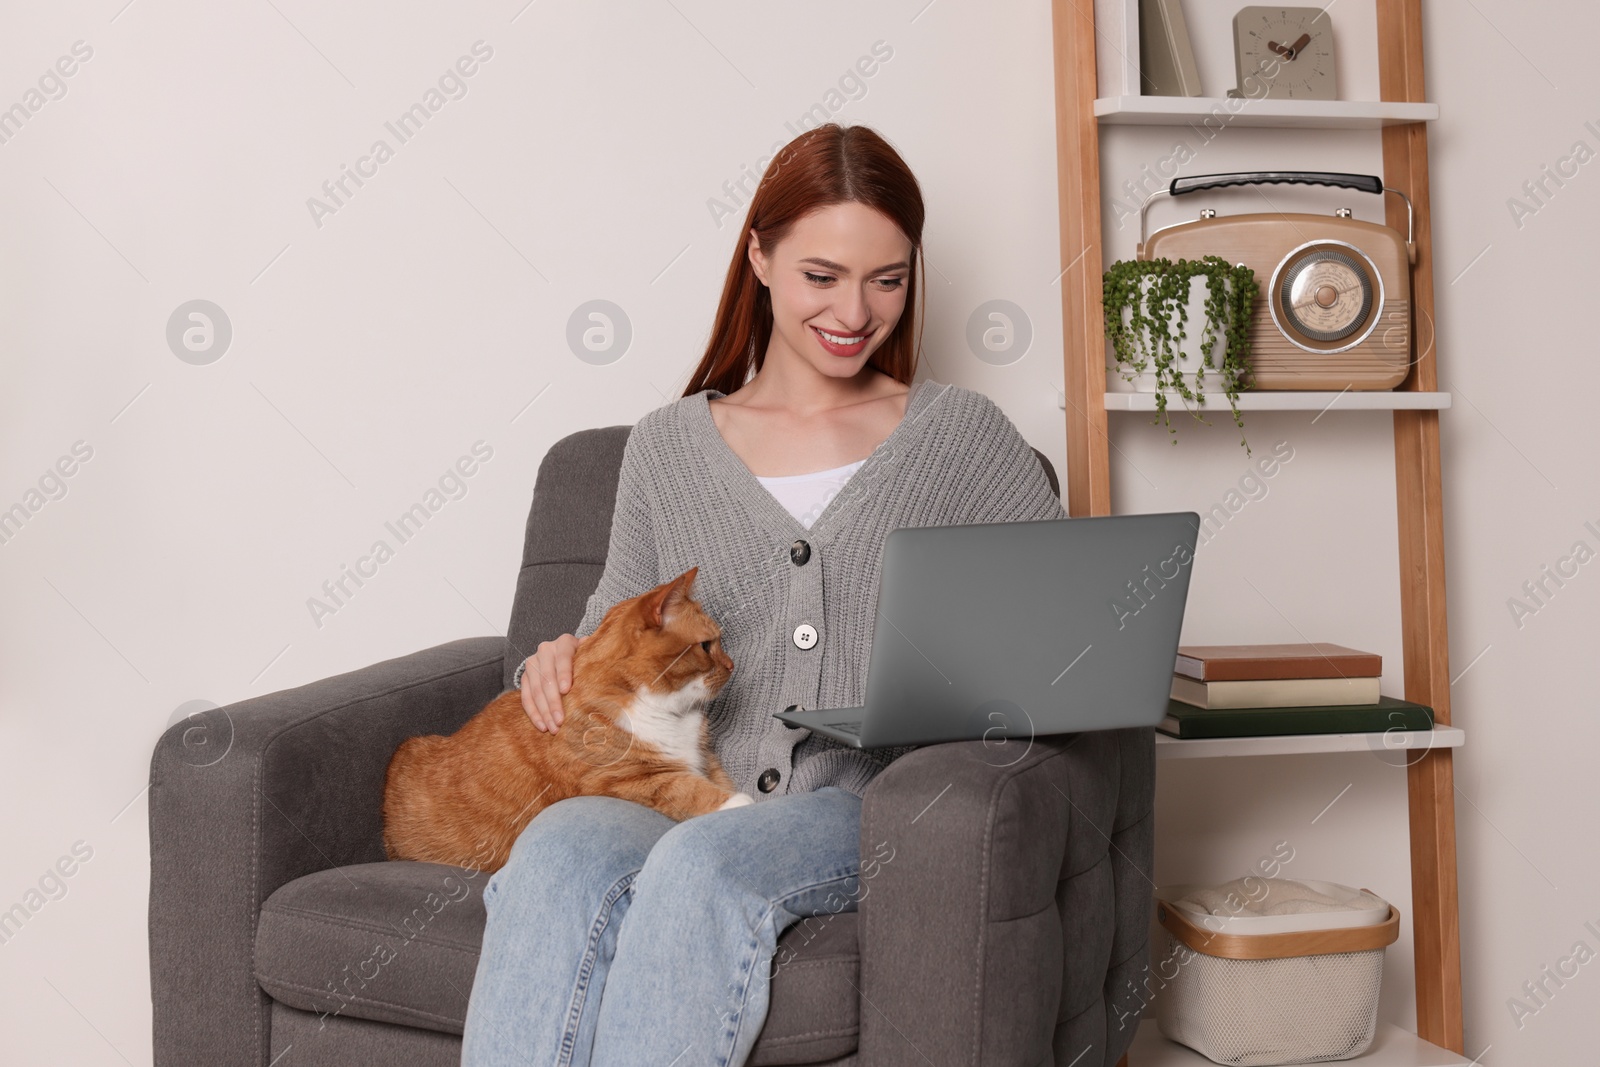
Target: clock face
1284	53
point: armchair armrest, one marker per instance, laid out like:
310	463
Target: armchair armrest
1015	904
246	798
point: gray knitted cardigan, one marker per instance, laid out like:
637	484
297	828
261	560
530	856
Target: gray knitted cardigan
685	499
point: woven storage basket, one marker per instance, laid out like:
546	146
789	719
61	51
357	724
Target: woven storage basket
1259	1000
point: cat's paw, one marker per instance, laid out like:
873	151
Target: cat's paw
738	800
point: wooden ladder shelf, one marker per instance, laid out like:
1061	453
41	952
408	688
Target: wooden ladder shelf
1430	783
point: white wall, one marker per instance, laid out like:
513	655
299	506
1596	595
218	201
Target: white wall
431	310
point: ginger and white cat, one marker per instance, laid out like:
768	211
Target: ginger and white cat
634	728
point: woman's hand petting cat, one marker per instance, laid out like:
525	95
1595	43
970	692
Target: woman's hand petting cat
547	675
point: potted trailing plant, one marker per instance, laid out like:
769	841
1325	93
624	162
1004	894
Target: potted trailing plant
1147	303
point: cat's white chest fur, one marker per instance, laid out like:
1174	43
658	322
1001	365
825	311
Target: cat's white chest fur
671	722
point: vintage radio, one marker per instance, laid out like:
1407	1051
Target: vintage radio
1334	306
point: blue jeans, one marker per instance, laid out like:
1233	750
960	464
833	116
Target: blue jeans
685	978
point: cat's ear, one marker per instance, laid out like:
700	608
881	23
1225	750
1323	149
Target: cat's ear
663	603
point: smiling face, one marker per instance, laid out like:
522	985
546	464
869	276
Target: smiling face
838	283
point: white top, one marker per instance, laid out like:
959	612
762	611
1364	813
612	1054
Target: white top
806	495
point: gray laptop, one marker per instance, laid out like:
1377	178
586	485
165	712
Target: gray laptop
1021	629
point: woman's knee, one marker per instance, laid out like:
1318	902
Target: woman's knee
692	858
762	840
586	823
583	839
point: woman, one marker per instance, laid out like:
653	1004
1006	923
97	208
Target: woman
781	489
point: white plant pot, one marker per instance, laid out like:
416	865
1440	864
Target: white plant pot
1190	361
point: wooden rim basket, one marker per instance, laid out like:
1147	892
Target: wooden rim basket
1277	946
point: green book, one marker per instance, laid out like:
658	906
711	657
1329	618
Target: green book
1389	713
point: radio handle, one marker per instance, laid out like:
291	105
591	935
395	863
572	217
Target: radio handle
1194	183
1365	183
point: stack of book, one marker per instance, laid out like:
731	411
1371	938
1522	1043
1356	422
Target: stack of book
1258	690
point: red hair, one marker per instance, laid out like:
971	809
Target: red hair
831	164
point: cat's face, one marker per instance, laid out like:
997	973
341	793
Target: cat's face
672	644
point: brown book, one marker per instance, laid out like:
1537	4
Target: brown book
1220	663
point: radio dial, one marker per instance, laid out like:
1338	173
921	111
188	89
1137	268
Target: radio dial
1326	295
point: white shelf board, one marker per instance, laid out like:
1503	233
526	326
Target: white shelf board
1398	745
1284	400
1391	1047
1221	113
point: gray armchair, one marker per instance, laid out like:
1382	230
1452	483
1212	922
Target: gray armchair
1010	928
